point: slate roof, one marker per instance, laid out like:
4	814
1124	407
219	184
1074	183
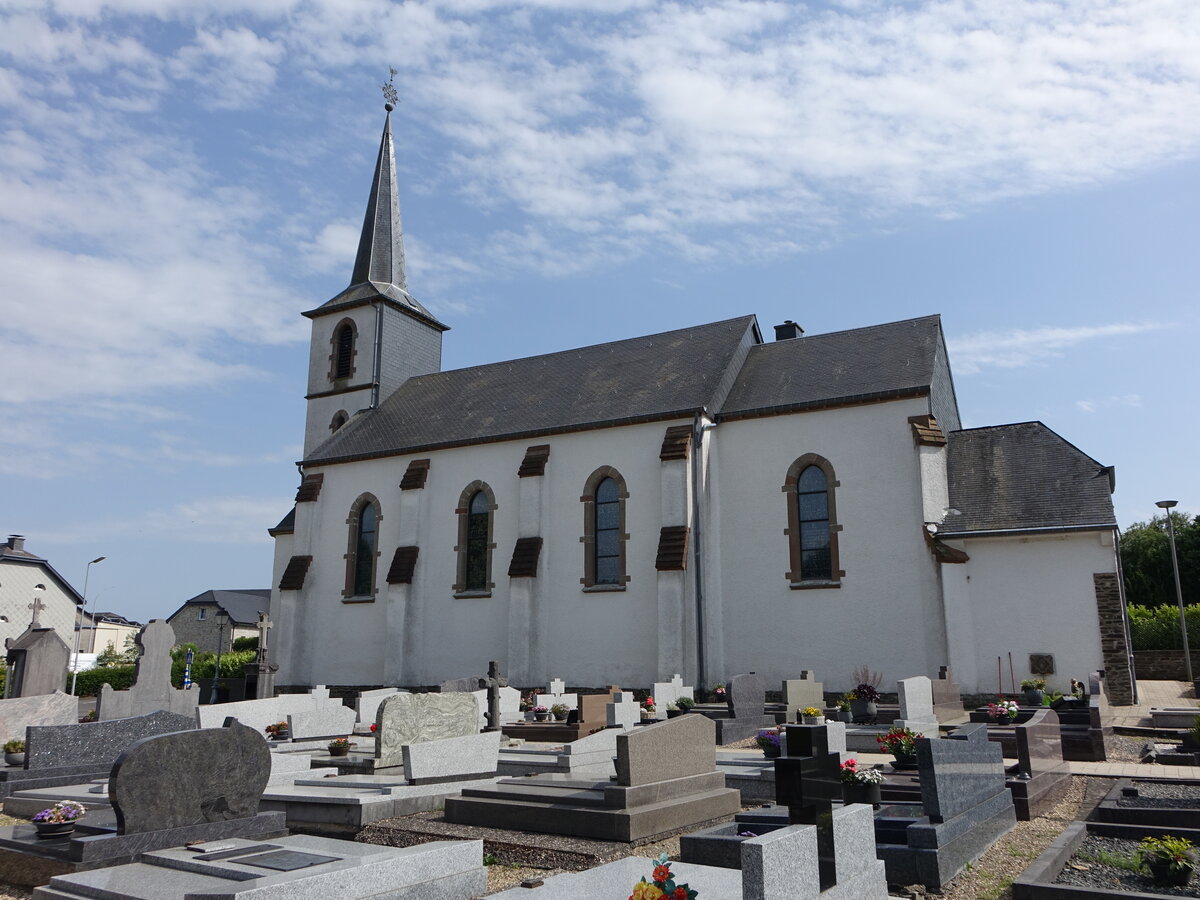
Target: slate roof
863	363
1024	476
8	554
658	376
243	606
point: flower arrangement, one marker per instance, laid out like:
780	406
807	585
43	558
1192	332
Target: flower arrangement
866	692
560	710
540	709
663	886
1003	709
1170	859
852	774
843	703
768	738
648	704
685	703
340	743
16	745
899	742
1033	684
719	690
65	811
275	729
811	711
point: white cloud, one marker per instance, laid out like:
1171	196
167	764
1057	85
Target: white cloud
236	520
1029	347
1114	400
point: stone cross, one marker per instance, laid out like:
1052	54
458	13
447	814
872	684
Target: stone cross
807	781
493	683
37	606
264	626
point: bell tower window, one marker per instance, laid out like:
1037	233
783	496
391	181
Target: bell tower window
341	357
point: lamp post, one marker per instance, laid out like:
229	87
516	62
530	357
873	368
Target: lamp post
1167	506
79	623
222	618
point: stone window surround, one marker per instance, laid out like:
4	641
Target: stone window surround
333	351
351	557
588	539
339	419
463	511
794	575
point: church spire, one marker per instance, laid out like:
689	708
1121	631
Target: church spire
380	256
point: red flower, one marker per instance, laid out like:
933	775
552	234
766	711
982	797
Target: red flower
662	873
680	893
372	726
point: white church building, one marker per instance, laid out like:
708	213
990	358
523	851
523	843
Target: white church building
703	501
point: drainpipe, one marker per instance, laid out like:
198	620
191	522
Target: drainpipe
378	366
697	551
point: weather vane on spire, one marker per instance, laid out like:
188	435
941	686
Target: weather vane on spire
389	91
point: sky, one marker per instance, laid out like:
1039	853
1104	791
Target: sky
179	179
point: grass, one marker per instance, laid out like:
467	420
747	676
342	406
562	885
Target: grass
1127	861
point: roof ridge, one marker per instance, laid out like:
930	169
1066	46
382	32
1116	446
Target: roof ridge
1005	425
823	334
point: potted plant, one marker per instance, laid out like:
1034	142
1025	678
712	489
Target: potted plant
768	741
685	704
1003	711
662	886
14	752
540	713
559	711
720	693
648	708
1035	691
340	746
860	785
862	704
58	820
810	715
1169	859
843	708
279	731
902	744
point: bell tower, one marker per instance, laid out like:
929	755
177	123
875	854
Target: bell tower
373	336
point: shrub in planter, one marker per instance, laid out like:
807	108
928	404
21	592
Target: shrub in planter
685	703
1170	859
14	752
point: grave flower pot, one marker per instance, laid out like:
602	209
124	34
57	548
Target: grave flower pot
904	761
1034	697
54	829
14	759
861	793
560	717
844	715
771	752
1162	873
863	711
541	717
812	720
339	751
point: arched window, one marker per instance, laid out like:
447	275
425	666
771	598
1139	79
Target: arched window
476	508
604	534
339	419
341	359
363	550
812	523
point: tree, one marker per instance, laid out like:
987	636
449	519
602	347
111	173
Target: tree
1146	560
109	657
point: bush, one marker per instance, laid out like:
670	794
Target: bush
245	643
1157	627
89	681
204	663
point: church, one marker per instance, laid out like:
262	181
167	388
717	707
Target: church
712	500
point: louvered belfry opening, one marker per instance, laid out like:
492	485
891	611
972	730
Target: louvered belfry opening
343	364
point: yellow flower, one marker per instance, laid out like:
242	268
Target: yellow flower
644	890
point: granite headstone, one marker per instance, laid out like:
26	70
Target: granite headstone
677	748
39	659
800	693
412	718
325	722
17	713
152	688
624	712
916	706
95	743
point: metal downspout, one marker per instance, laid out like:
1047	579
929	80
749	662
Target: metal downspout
377	368
697	552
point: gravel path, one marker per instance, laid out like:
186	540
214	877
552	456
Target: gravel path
1085	870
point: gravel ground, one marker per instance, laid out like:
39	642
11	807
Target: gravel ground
1162	794
1124	748
9	891
1084	870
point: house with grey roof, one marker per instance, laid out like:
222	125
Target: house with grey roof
28	580
198	621
703	501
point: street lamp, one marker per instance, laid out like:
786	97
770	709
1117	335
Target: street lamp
79	621
222	618
1167	506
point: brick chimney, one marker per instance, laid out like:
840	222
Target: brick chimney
16	542
788	330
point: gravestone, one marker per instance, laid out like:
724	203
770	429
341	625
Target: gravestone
260	674
947	699
916	706
413	718
88	745
38	659
666	780
557	695
366	705
152	688
802	692
624	712
493	683
510	706
258	714
325	722
667	692
747	700
807	781
462	685
189	778
17	713
1042	777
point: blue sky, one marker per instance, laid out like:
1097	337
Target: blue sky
180	178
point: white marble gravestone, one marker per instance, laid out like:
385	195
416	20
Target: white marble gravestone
667	692
152	688
916	706
802	692
624	712
558	695
510	706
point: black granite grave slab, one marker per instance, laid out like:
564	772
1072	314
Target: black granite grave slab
1168	804
1041	777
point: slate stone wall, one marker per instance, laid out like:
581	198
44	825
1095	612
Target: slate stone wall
1118	680
1164	665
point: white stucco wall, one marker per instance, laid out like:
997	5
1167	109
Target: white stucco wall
17	582
1025	595
887	612
321	410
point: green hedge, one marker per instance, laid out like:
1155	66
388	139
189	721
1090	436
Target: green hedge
1157	627
89	681
204	663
